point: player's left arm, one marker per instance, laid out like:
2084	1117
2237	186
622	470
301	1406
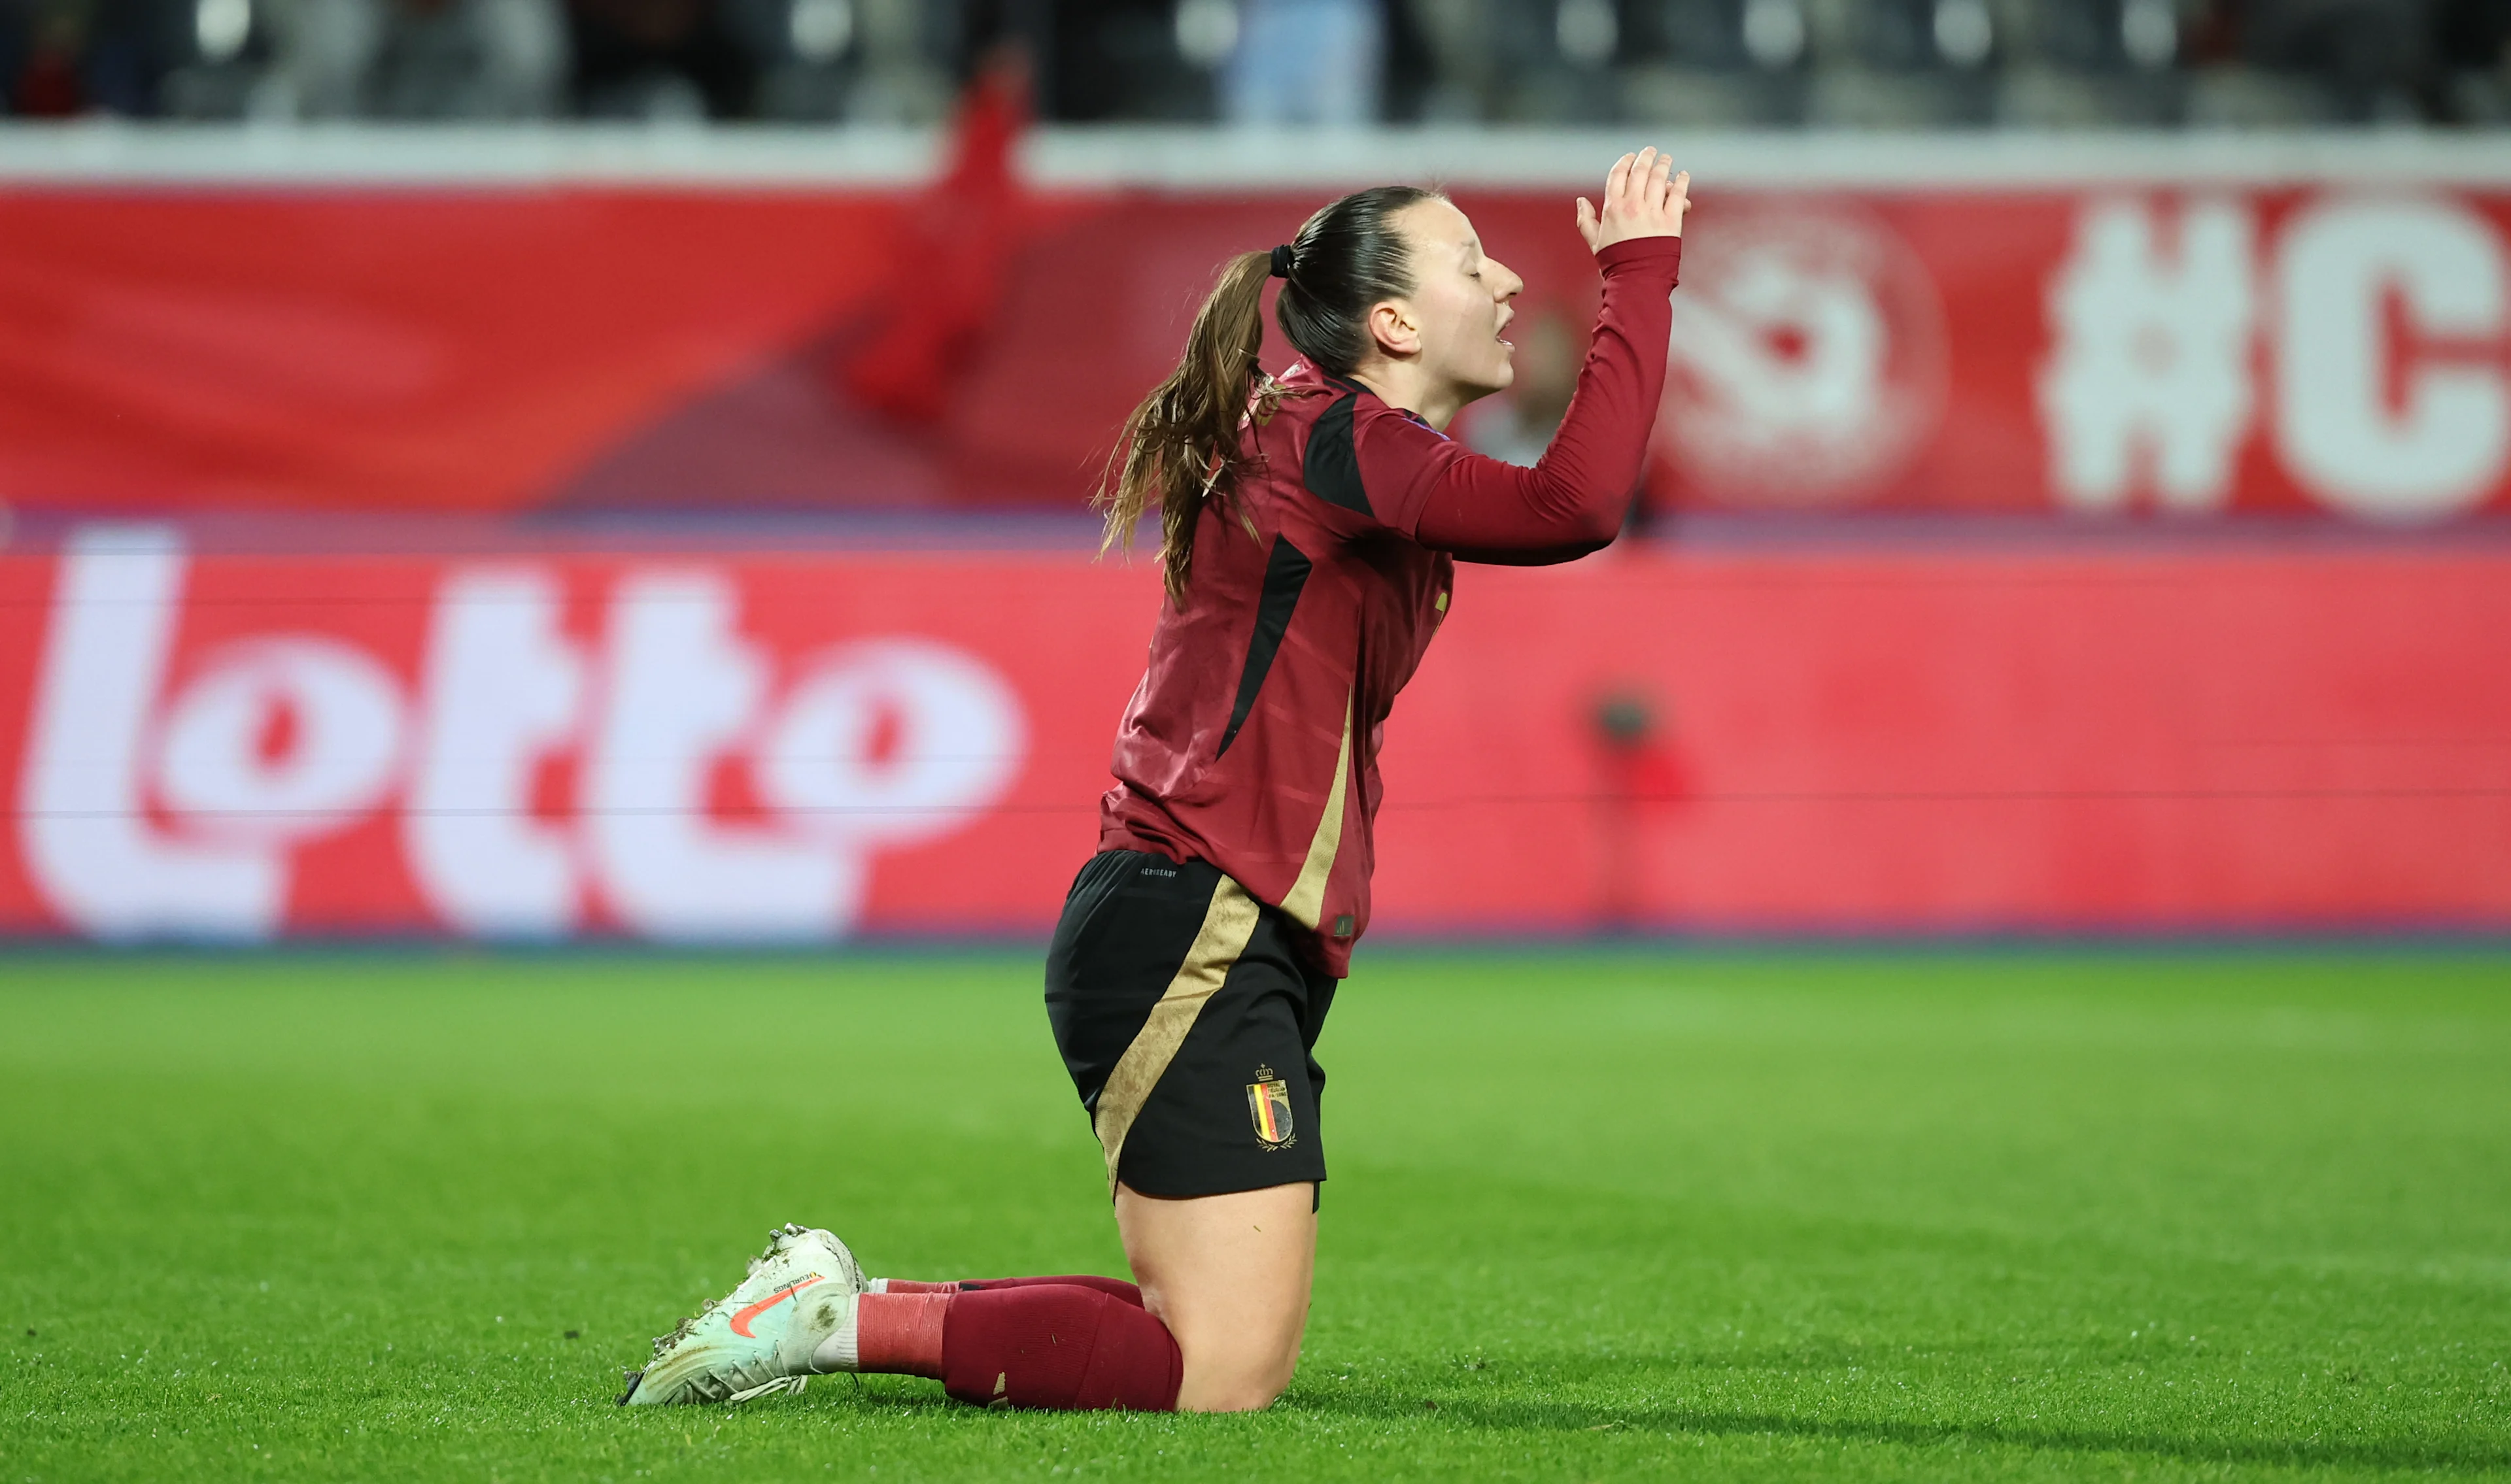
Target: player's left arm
1478	509
1573	501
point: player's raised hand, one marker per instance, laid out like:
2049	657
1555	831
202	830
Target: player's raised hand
1642	198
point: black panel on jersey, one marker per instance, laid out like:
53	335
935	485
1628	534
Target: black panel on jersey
1331	469
1285	572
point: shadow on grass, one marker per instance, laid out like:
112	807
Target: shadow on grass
1572	1417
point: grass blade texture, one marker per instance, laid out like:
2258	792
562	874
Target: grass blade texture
1828	1216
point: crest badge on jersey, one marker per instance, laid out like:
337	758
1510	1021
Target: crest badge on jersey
1268	1103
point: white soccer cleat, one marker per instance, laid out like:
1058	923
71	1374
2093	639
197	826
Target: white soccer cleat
757	1340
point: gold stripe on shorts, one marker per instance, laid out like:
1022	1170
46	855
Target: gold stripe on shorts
1227	924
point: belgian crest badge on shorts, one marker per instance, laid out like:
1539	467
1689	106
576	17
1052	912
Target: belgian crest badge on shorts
1268	1103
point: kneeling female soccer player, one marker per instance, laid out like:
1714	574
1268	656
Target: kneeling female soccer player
1310	526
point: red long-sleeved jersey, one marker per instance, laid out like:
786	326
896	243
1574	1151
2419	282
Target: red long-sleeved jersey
1252	742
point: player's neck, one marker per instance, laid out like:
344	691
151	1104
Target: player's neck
1405	385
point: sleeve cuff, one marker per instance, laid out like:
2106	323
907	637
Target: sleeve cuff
1643	254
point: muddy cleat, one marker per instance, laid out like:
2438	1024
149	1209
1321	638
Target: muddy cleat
757	1340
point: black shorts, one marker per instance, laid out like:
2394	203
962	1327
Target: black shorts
1187	1018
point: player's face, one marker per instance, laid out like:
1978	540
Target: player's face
1461	302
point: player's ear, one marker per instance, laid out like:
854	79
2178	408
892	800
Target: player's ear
1391	328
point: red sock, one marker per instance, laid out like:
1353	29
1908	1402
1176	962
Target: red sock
900	1334
1057	1345
1113	1288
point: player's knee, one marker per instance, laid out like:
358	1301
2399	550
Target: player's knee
1241	1395
1246	1381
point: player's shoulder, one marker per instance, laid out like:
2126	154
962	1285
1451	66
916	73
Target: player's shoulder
1332	419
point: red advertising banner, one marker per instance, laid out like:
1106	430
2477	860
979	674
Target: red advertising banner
2094	350
809	745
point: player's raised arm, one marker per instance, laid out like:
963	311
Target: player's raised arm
1573	501
1643	197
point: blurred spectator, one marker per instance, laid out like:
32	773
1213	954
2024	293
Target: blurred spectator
13	53
900	79
868	61
1696	63
954	253
809	48
2473	46
48	82
1525	61
1305	62
2085	63
418	60
60	58
1567	61
2369	53
659	61
1460	37
469	59
1151	59
1901	63
2275	63
1706	64
220	55
131	46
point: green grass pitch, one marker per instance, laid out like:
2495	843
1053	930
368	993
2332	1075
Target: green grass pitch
2225	1214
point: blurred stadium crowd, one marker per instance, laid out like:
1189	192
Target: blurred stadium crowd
1852	63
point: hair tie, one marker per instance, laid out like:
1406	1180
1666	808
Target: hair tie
1282	261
